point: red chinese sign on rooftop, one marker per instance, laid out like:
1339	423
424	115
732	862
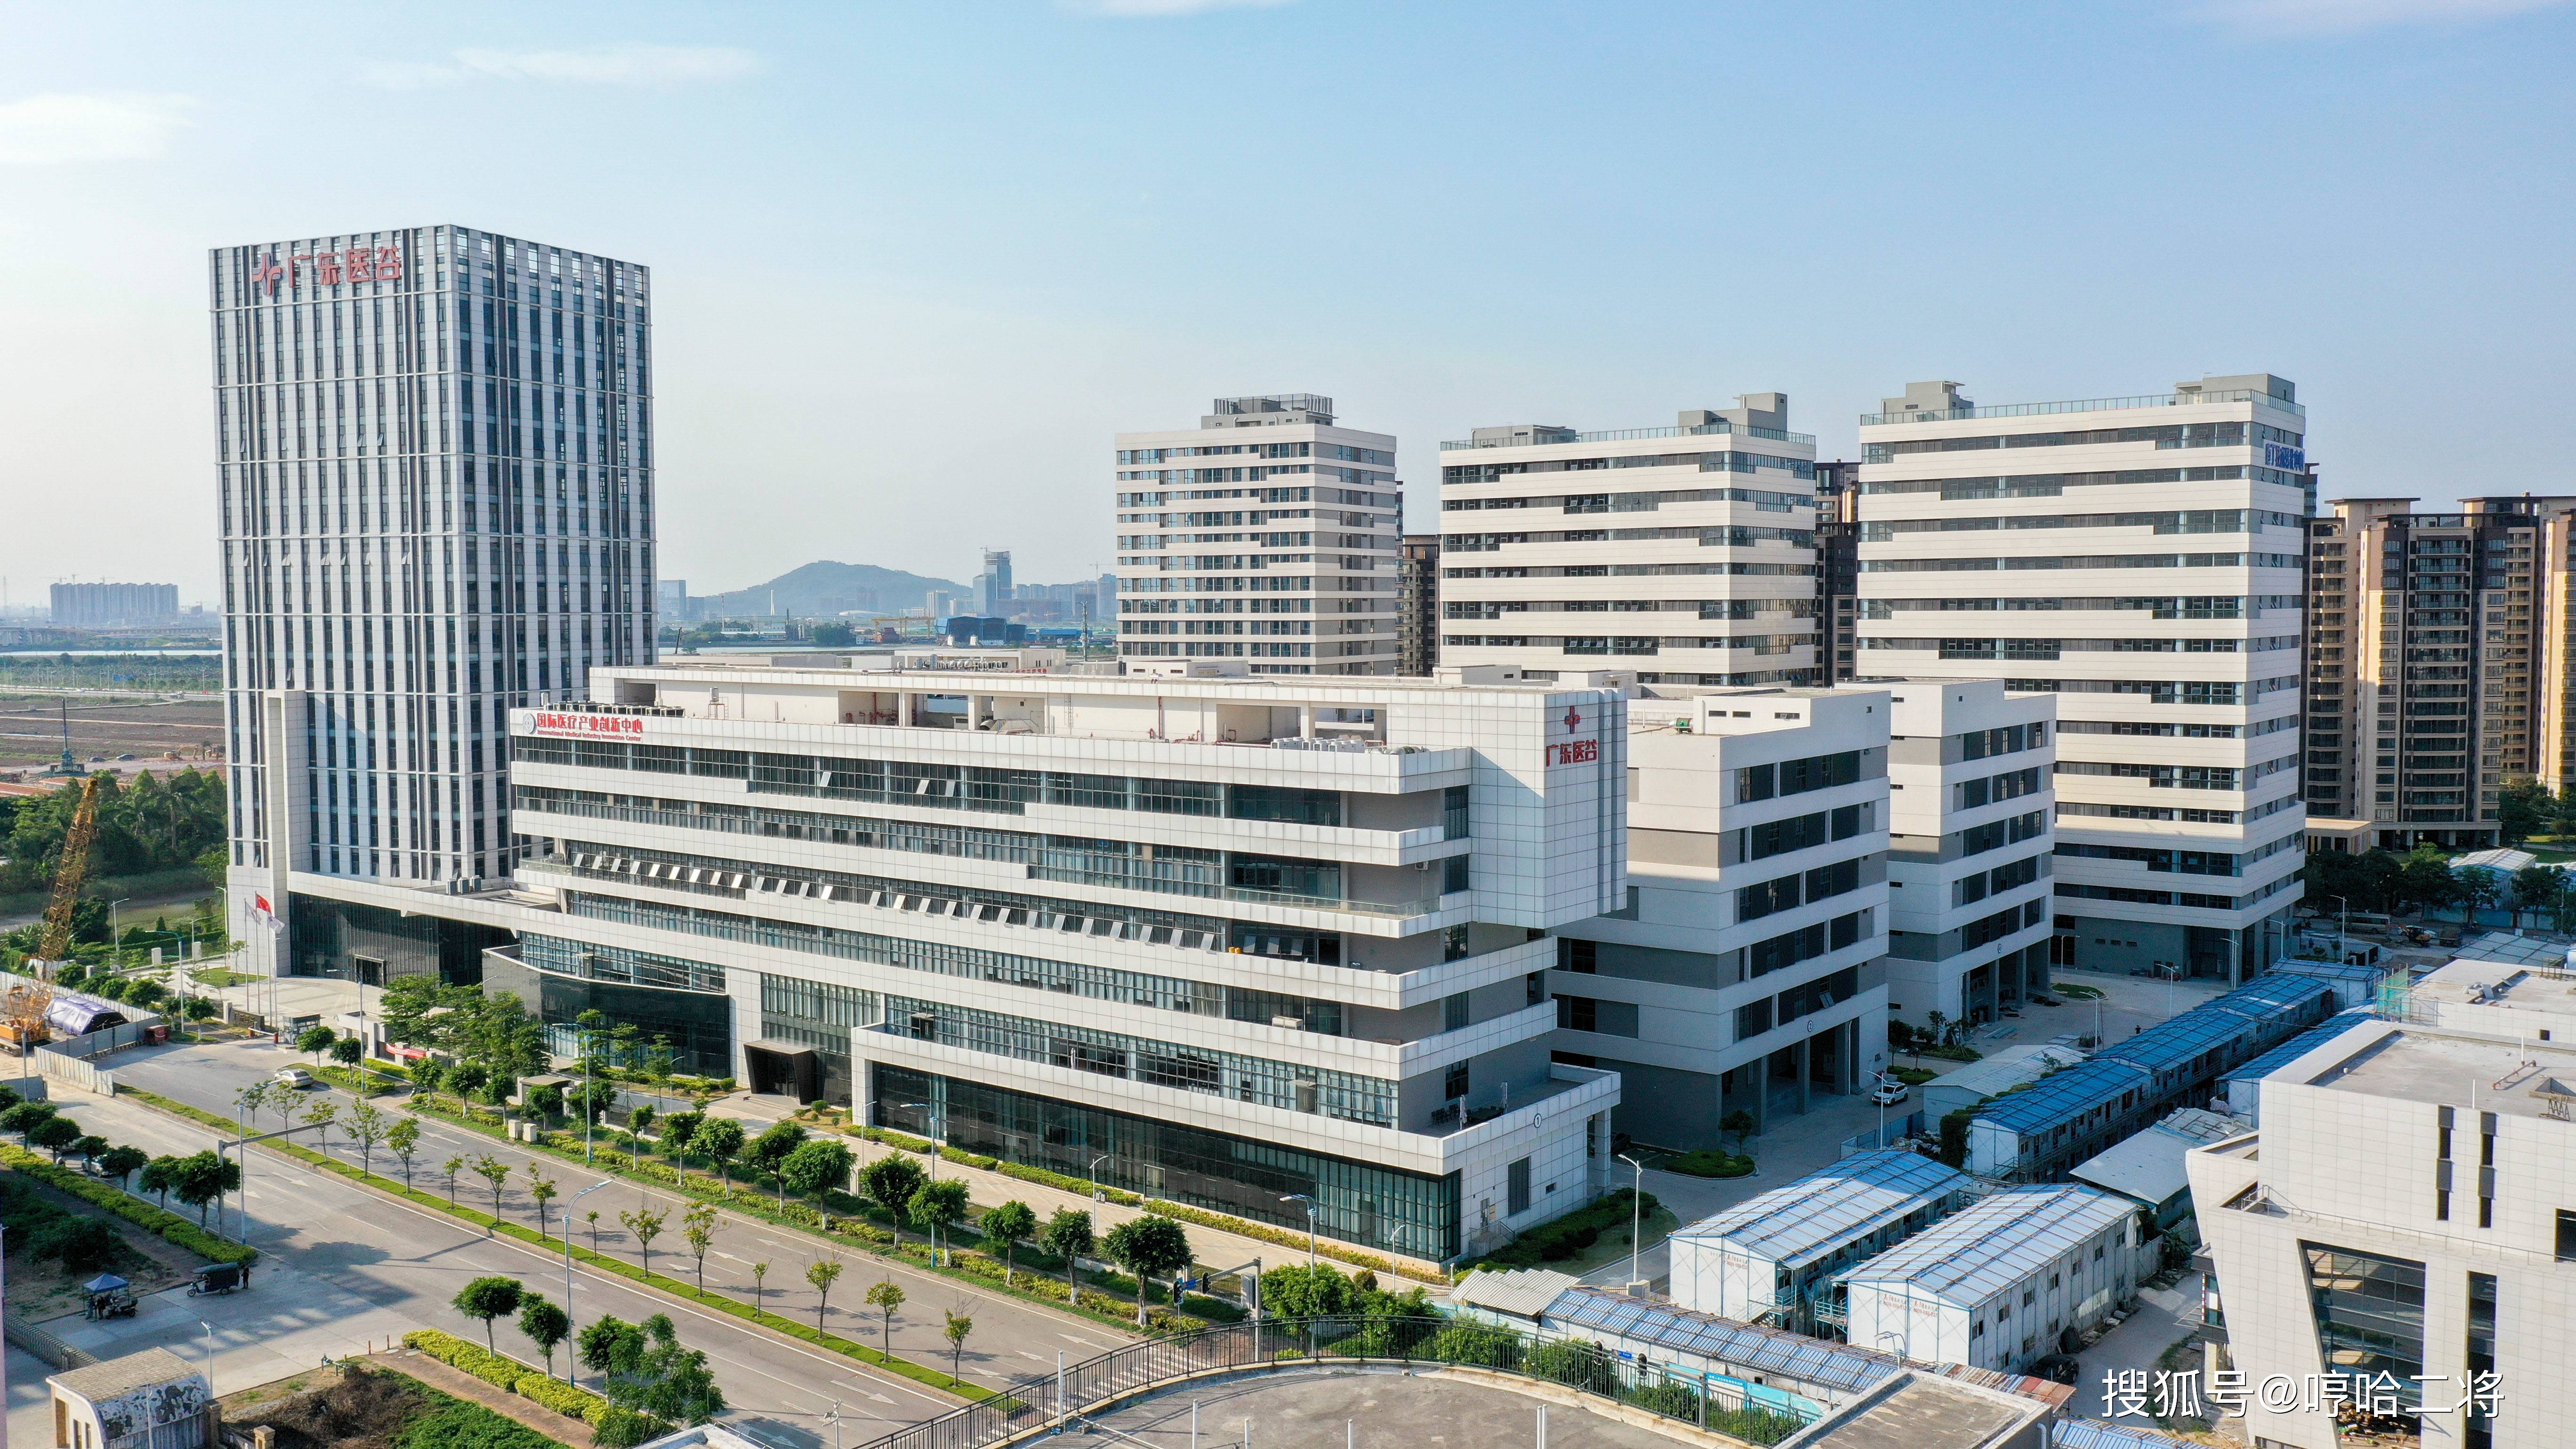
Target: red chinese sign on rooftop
328	269
548	723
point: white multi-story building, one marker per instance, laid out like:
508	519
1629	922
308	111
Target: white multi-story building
434	475
1970	837
1266	534
1685	553
1222	940
2156	544
2401	1234
1744	971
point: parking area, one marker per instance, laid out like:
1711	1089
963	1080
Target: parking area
1367	1409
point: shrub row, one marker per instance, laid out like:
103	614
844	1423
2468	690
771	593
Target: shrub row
133	1209
1565	1237
622	1426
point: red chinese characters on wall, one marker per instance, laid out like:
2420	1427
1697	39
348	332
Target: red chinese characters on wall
328	269
1574	752
589	724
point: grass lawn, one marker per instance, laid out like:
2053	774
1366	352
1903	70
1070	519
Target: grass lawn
220	976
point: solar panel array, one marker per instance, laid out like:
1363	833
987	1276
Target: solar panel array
1742	1347
1996	1242
1819	1213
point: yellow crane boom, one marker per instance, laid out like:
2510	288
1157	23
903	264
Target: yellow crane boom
23	1007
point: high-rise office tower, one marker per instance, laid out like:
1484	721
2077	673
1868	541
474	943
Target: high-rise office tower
993	585
1267	534
1686	553
2141	558
1420	576
434	472
1837	571
2428	631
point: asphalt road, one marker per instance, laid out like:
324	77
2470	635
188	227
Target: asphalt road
356	1265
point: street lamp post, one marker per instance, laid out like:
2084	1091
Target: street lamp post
938	1134
1637	1210
1310	1223
116	941
1093	1172
210	1354
571	1375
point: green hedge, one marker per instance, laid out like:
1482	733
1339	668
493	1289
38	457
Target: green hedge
510	1375
133	1209
1566	1237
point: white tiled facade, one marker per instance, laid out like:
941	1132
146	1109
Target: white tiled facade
1249	937
1971	837
1746	971
2452	1254
434	476
1268	534
1686	554
2142	558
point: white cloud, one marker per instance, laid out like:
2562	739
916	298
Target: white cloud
625	65
1131	9
2332	17
63	130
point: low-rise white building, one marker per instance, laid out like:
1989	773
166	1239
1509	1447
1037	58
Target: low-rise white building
2147	1167
1971	830
2536	1002
1224	940
149	1400
1768	1256
2405	1221
1742	971
2006	1280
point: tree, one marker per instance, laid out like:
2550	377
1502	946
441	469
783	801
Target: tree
2537	888
403	1141
347	1050
368	1125
487	1299
55	1134
89	1147
814	1169
250	1099
698	1230
1149	1247
771	1149
545	1324
317	1040
935	1205
678	1131
2479	887
636	1122
591	1220
541	1190
719	1139
1300	1291
1068	1235
464	1079
885	1296
546	1101
833	636
890	1182
122	1163
322	1115
959	1325
202	1177
610	1348
159	1176
646	1225
495	1174
25	1118
451	1167
1006	1226
823	1273
2524	809
1742	1123
760	1283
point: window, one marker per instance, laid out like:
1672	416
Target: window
1576	955
1609	1018
1453	813
1453	1012
2369	1314
1536	983
1453	875
2566	1236
1517	1198
1453	1085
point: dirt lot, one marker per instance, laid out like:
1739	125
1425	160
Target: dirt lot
31	731
41	1288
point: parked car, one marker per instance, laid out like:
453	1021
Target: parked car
1888	1094
295	1077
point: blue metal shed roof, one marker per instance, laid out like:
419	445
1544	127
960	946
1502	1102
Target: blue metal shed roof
2267	996
2331	970
1807	1219
1996	1243
2094	1434
2063	1097
2300	1045
1769	1351
2173	1042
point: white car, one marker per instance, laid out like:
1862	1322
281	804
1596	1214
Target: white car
1888	1094
294	1077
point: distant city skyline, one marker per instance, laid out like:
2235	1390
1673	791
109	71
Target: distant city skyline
919	265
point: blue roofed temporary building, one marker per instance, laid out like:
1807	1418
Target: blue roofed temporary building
2242	1085
2100	1434
2046	1120
2006	1280
1766	1258
2355	983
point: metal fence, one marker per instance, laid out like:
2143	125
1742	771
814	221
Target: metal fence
73	1071
1671	1391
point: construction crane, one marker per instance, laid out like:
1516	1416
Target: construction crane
23	1008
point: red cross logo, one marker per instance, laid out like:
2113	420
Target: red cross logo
267	271
1573	719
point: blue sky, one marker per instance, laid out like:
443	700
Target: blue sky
917	263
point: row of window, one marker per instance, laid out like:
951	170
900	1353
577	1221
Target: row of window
2165	606
2083	561
2197	520
1788	892
2051	485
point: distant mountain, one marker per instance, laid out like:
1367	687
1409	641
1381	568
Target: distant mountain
827	588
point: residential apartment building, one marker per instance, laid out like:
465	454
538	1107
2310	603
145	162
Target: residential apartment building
1745	971
114	606
2158	546
1685	553
2431	640
1418	647
434	477
1224	940
1970	858
2426	1298
1267	534
1838	570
